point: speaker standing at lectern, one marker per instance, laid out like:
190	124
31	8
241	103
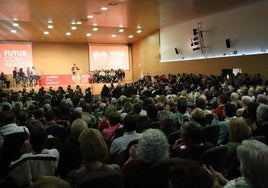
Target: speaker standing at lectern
75	76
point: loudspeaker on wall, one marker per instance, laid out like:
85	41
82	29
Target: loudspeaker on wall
176	51
228	43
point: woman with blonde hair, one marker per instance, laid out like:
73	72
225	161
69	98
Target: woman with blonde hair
238	131
94	151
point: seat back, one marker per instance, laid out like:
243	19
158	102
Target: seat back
215	157
158	174
32	167
119	132
211	134
57	131
55	143
209	118
102	179
11	149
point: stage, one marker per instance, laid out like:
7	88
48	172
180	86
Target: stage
95	87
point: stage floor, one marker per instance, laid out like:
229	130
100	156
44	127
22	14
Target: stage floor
95	88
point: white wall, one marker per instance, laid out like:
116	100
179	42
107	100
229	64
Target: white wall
246	27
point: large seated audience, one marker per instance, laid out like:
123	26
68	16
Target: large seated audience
73	138
108	75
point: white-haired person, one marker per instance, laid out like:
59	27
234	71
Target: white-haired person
261	129
252	155
153	147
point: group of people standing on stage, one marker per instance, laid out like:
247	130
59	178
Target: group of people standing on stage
108	76
29	76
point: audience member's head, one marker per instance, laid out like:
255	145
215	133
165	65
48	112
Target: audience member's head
128	107
229	110
38	136
152	111
245	100
114	118
250	112
199	116
51	115
153	146
22	117
130	123
77	127
86	107
137	108
200	103
182	105
262	113
167	119
252	155
108	110
234	98
7	117
238	130
74	115
261	99
93	146
88	120
38	113
223	98
192	133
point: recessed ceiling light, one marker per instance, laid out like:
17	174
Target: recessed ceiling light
15	19
139	31
95	29
50	21
78	23
138	27
46	32
90	16
73	23
13	31
130	36
95	24
68	33
50	26
113	35
104	8
15	24
73	28
121	30
88	34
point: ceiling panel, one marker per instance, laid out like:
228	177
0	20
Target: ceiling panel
33	16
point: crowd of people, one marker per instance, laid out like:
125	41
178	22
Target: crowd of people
131	129
108	76
22	77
